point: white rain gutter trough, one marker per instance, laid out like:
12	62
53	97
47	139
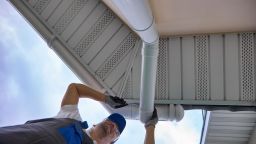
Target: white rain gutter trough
139	17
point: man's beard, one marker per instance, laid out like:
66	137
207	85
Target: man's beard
104	132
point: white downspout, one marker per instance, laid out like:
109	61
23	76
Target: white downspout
148	79
139	17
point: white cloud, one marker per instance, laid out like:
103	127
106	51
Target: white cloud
9	36
13	89
182	132
134	133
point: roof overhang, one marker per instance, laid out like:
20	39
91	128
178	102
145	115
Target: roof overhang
186	17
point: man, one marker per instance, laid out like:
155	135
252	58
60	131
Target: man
66	127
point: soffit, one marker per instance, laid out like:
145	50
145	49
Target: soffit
180	17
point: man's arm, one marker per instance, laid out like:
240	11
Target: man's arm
150	135
150	128
76	91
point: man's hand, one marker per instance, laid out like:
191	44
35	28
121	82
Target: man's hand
115	102
153	120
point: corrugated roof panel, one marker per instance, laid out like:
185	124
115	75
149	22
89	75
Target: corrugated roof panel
230	127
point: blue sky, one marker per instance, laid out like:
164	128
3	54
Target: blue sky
33	81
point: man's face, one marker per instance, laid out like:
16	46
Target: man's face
106	130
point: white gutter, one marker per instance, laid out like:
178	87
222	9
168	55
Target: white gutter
139	17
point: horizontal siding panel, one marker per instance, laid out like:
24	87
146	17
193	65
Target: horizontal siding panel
104	38
118	85
118	71
216	67
32	2
79	19
50	9
235	115
225	119
228	135
86	26
109	48
175	83
188	68
232	124
232	77
231	128
136	74
59	12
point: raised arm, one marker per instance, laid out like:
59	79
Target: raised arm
150	135
76	91
150	128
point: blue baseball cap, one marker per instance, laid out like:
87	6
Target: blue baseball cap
119	120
